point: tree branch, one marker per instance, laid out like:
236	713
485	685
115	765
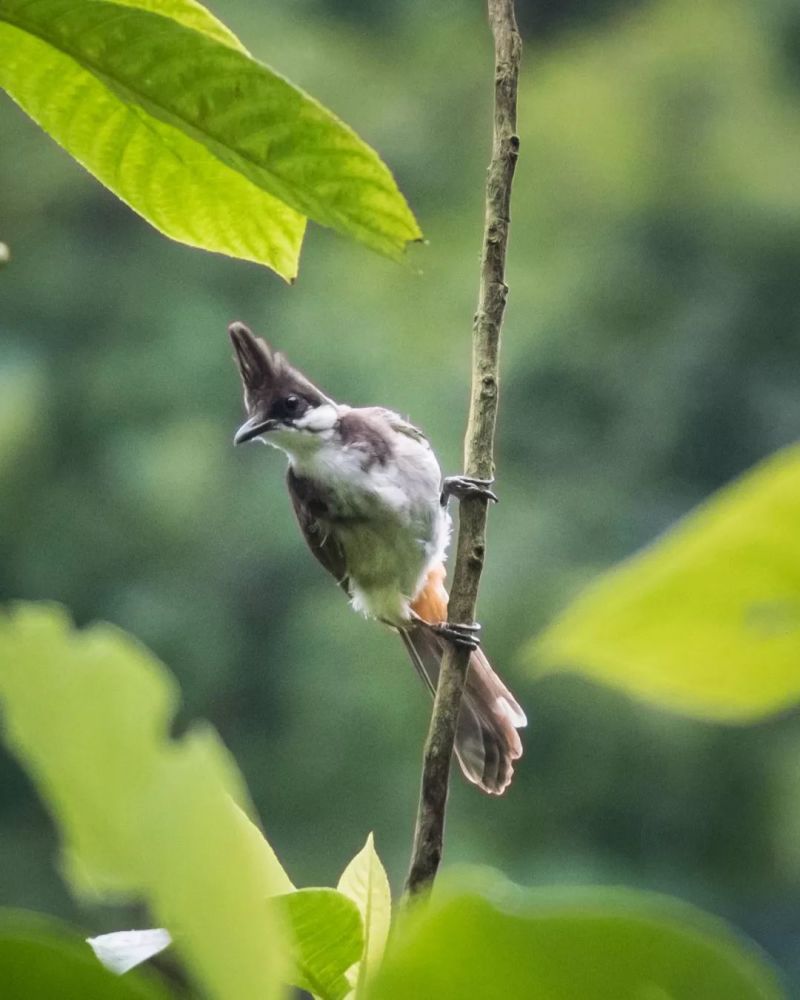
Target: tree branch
478	448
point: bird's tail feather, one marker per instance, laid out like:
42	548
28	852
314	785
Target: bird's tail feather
487	741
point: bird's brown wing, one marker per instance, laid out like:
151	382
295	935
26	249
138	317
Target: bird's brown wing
311	506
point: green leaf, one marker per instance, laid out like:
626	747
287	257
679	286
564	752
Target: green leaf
88	715
41	959
365	882
213	148
483	938
208	882
707	620
328	937
165	174
191	14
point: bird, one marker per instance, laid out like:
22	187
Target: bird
371	503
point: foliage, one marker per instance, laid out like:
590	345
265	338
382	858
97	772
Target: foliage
166	108
480	937
707	620
326	939
159	819
364	881
328	935
88	714
140	814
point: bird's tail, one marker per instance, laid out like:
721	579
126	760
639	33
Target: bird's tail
487	741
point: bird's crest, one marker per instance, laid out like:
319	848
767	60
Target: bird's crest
266	374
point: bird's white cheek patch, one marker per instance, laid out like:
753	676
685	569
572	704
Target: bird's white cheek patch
321	418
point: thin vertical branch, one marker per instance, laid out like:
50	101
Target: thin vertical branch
478	447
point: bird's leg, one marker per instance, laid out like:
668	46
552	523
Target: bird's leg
462	487
460	634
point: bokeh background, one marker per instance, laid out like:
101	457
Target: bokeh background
650	355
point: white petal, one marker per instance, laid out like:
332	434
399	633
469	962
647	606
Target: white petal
124	950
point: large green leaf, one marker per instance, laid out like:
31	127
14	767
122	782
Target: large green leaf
166	175
208	881
41	959
88	715
707	620
365	882
328	938
210	146
484	940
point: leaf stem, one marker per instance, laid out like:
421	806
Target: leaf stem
478	448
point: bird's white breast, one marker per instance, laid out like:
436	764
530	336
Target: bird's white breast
388	517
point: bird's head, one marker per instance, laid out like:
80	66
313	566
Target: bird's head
283	407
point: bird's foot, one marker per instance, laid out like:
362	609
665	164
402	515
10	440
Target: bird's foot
459	634
462	487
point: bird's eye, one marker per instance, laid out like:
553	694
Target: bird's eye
291	404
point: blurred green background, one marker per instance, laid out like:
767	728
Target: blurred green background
650	355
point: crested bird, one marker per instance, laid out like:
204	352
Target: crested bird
371	503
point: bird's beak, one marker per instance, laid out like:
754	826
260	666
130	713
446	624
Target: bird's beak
252	428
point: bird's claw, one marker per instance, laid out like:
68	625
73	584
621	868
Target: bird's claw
462	487
460	634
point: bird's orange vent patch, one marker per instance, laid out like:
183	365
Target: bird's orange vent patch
431	602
